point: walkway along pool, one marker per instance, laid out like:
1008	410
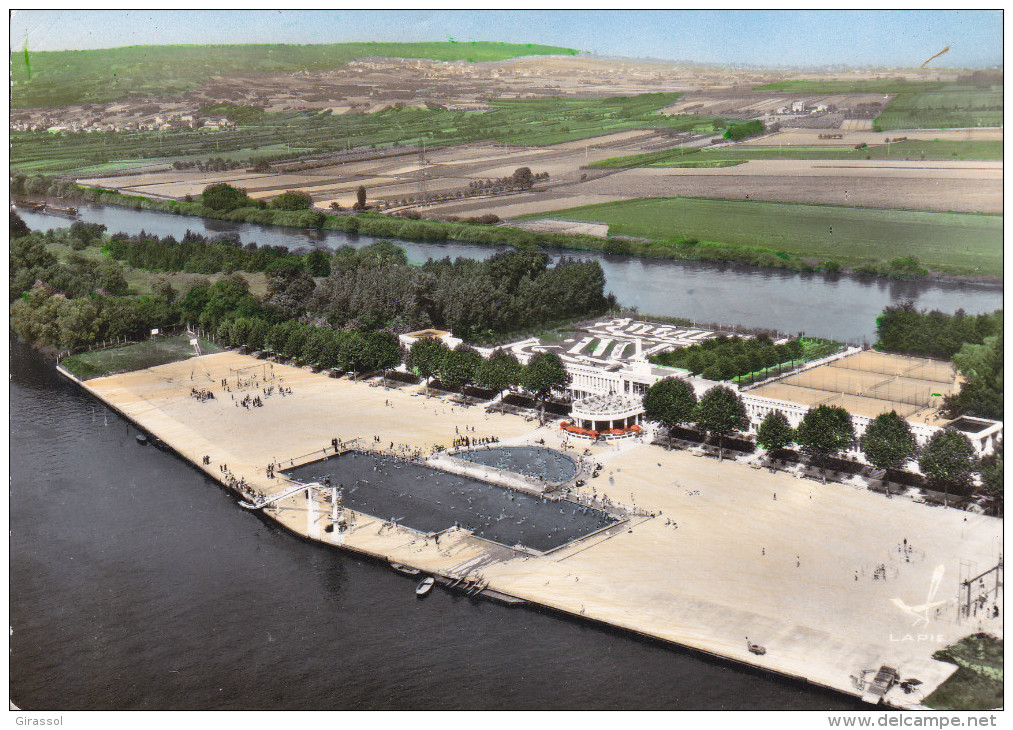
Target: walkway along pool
430	501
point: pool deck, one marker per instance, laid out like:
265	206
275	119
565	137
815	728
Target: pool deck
733	551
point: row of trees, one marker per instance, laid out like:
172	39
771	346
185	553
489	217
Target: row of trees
974	342
324	347
672	402
723	358
477	300
197	254
904	329
948	459
464	366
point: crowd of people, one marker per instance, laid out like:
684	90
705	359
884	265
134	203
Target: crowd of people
202	394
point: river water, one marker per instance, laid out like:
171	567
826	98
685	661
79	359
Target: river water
139	583
843	308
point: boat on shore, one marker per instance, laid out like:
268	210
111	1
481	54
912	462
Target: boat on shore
425	586
403	569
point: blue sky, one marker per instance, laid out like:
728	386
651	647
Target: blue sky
769	37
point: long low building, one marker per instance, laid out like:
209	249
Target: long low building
865	395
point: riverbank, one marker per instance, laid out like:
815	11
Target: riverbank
793	573
433	231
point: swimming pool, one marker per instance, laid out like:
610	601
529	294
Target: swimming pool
429	500
533	461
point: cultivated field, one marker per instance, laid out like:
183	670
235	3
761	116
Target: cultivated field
946	186
870	383
850	235
529	122
918	104
447	170
774	147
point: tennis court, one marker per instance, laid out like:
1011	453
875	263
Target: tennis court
868	384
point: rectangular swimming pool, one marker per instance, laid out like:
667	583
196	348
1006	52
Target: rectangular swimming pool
429	500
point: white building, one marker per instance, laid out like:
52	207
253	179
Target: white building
632	379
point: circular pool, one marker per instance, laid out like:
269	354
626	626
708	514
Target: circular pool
533	461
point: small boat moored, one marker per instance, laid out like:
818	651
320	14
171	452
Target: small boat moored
425	586
141	439
404	569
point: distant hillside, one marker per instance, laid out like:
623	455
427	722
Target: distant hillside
61	78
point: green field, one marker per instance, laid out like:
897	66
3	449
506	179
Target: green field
978	682
956	243
61	78
137	356
919	104
275	136
911	150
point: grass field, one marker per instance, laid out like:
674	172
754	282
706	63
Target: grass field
912	150
919	104
978	683
957	243
136	356
520	121
61	78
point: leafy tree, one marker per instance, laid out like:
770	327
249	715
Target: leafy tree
499	372
990	469
458	367
714	371
318	263
277	336
85	234
239	331
888	442
426	357
328	356
542	375
316	343
981	393
522	177
163	288
18	225
256	338
670	402
295	341
381	352
720	411
947	460
825	431
224	198
292	200
775	433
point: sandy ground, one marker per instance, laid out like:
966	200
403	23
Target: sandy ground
788	562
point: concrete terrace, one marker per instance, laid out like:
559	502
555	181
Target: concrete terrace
616	339
731	551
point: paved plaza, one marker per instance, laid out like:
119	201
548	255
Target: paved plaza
714	552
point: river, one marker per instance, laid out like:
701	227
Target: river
843	308
138	583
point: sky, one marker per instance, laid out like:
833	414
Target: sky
902	38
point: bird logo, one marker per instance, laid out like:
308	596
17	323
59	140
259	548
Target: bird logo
921	613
